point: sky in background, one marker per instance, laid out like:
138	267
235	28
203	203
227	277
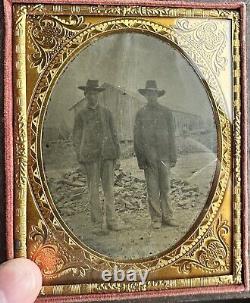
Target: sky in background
127	60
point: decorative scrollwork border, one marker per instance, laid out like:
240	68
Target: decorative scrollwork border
34	172
38	107
20	135
237	197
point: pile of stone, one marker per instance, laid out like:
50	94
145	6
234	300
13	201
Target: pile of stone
70	193
183	194
130	192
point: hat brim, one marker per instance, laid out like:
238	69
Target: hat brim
144	91
87	88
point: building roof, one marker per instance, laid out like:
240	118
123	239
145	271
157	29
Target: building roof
121	89
132	94
74	105
124	91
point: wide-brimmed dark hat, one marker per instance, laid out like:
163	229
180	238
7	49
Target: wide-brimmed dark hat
151	86
92	85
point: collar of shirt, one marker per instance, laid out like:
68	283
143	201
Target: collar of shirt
153	105
93	107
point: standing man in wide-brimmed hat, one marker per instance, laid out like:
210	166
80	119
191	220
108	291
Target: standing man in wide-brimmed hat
154	143
97	148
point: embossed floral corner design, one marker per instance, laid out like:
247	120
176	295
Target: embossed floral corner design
212	255
54	260
47	34
207	37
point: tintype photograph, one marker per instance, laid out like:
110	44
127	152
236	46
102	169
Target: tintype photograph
130	146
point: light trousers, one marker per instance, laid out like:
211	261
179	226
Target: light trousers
157	177
103	171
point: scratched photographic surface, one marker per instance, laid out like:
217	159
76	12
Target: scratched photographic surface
120	64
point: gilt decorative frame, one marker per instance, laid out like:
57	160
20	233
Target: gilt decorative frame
46	37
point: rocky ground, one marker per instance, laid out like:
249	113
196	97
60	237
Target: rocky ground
189	188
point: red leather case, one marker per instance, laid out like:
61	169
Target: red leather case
9	166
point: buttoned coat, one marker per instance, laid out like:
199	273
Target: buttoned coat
154	135
95	136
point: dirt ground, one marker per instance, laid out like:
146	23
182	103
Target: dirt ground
190	182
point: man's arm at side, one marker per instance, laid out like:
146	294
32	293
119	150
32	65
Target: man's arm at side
77	133
173	154
114	134
138	144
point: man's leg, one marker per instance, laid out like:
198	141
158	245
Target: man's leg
164	180
107	176
93	177
153	189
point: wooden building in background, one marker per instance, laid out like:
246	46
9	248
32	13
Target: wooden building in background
124	106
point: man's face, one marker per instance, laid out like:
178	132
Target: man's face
152	96
92	97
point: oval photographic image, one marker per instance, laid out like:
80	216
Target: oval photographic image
129	146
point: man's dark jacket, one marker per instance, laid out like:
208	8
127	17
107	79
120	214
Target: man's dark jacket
94	135
154	135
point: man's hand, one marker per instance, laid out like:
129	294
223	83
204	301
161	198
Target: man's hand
78	156
117	164
172	164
